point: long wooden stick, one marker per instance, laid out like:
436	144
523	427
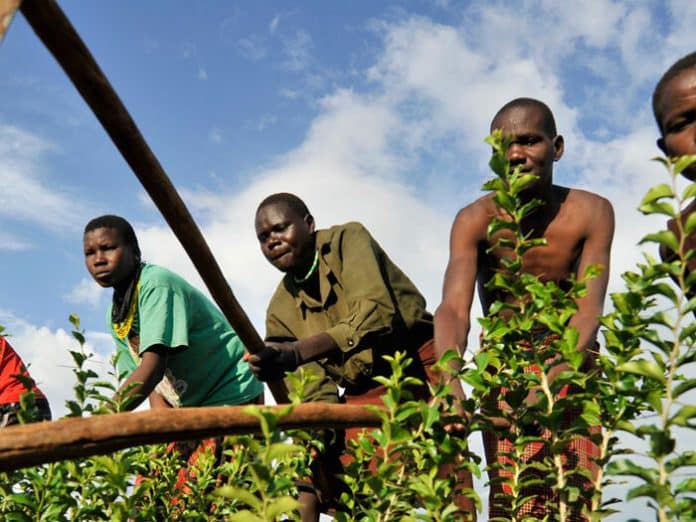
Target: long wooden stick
8	8
62	40
33	444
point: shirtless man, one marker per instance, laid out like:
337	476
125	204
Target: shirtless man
578	227
674	106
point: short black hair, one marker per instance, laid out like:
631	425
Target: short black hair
124	228
549	120
684	63
293	202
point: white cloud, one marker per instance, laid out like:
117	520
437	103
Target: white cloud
297	50
289	93
86	291
215	135
202	74
11	243
188	50
27	192
252	48
266	121
273	26
45	351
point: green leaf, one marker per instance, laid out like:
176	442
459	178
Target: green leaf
498	164
666	238
661	159
658	208
657	192
240	494
688	458
644	368
74	320
690	224
282	449
683	387
683	162
686	486
689	192
644	490
684	415
281	506
504	201
661	444
517	185
244	516
496	225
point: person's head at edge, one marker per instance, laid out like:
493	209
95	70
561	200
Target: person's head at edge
535	143
674	108
112	253
285	230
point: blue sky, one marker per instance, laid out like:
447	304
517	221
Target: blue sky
371	111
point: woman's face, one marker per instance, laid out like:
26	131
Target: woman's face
108	259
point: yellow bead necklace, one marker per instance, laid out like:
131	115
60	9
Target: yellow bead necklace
122	329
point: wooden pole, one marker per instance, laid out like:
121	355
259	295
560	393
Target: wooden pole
62	40
8	8
33	444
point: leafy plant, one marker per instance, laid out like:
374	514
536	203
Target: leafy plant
525	335
409	468
651	340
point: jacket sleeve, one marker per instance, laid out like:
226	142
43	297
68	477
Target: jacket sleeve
361	273
277	329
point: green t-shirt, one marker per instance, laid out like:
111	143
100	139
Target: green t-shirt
205	362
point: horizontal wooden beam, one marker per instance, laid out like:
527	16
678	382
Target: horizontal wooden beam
33	444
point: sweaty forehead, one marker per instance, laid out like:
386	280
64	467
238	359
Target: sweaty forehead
518	120
677	89
103	232
103	235
273	212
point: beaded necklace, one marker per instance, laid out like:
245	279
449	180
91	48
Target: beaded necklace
315	263
123	328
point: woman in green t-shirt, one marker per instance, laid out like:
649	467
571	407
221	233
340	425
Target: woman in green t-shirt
174	345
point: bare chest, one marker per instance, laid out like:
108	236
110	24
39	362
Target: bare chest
556	261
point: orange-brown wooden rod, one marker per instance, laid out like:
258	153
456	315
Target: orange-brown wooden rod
62	40
8	8
33	444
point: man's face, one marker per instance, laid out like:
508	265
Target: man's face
285	237
531	147
678	110
108	259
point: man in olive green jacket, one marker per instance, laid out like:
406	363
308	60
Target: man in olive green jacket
341	306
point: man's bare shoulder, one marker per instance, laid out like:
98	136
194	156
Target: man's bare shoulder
483	209
472	221
587	206
586	197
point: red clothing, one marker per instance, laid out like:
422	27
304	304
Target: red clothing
10	365
329	488
581	453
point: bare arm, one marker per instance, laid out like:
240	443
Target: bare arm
157	401
596	251
452	320
146	376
